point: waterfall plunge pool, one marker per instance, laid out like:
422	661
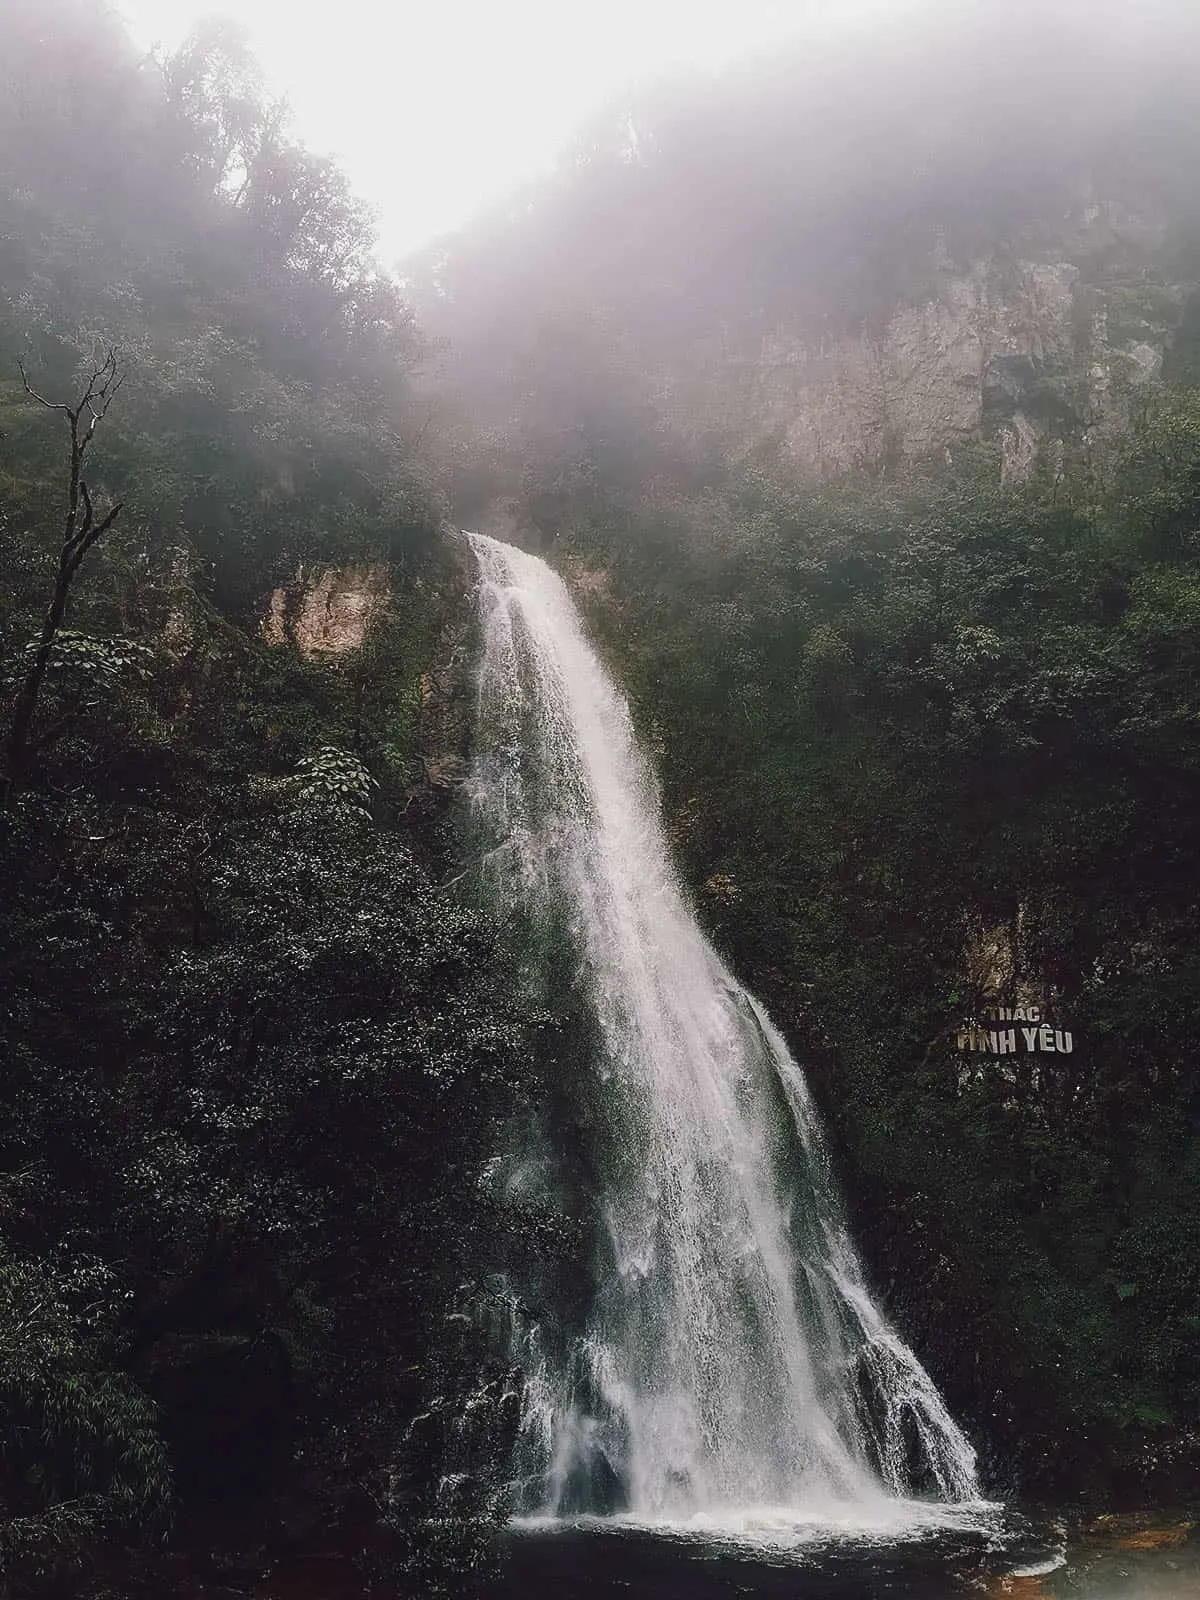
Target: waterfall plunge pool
923	1552
988	1552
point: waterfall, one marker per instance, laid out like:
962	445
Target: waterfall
730	1355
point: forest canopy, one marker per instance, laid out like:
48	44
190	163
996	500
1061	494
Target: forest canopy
236	998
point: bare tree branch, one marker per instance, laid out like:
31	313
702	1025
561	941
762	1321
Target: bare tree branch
103	525
50	405
80	533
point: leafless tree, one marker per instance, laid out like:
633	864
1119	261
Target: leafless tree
81	530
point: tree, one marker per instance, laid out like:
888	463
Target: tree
81	531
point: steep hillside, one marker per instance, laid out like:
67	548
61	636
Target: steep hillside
253	1047
979	236
855	392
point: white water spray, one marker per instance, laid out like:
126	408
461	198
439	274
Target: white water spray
732	1355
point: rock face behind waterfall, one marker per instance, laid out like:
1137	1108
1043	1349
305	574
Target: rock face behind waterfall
727	1352
898	248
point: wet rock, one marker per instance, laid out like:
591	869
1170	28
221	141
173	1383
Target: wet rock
329	612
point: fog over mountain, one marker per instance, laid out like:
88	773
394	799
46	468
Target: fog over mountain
706	229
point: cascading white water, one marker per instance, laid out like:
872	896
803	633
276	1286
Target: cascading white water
732	1356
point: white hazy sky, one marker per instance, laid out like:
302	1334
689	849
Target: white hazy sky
437	108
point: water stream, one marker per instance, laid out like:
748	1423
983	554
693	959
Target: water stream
731	1369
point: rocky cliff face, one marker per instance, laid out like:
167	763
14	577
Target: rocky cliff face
328	612
334	613
1038	350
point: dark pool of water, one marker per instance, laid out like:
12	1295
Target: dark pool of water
591	1561
1016	1558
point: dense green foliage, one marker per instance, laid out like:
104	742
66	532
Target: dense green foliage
945	756
266	406
253	1052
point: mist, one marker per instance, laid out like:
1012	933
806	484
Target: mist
816	191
